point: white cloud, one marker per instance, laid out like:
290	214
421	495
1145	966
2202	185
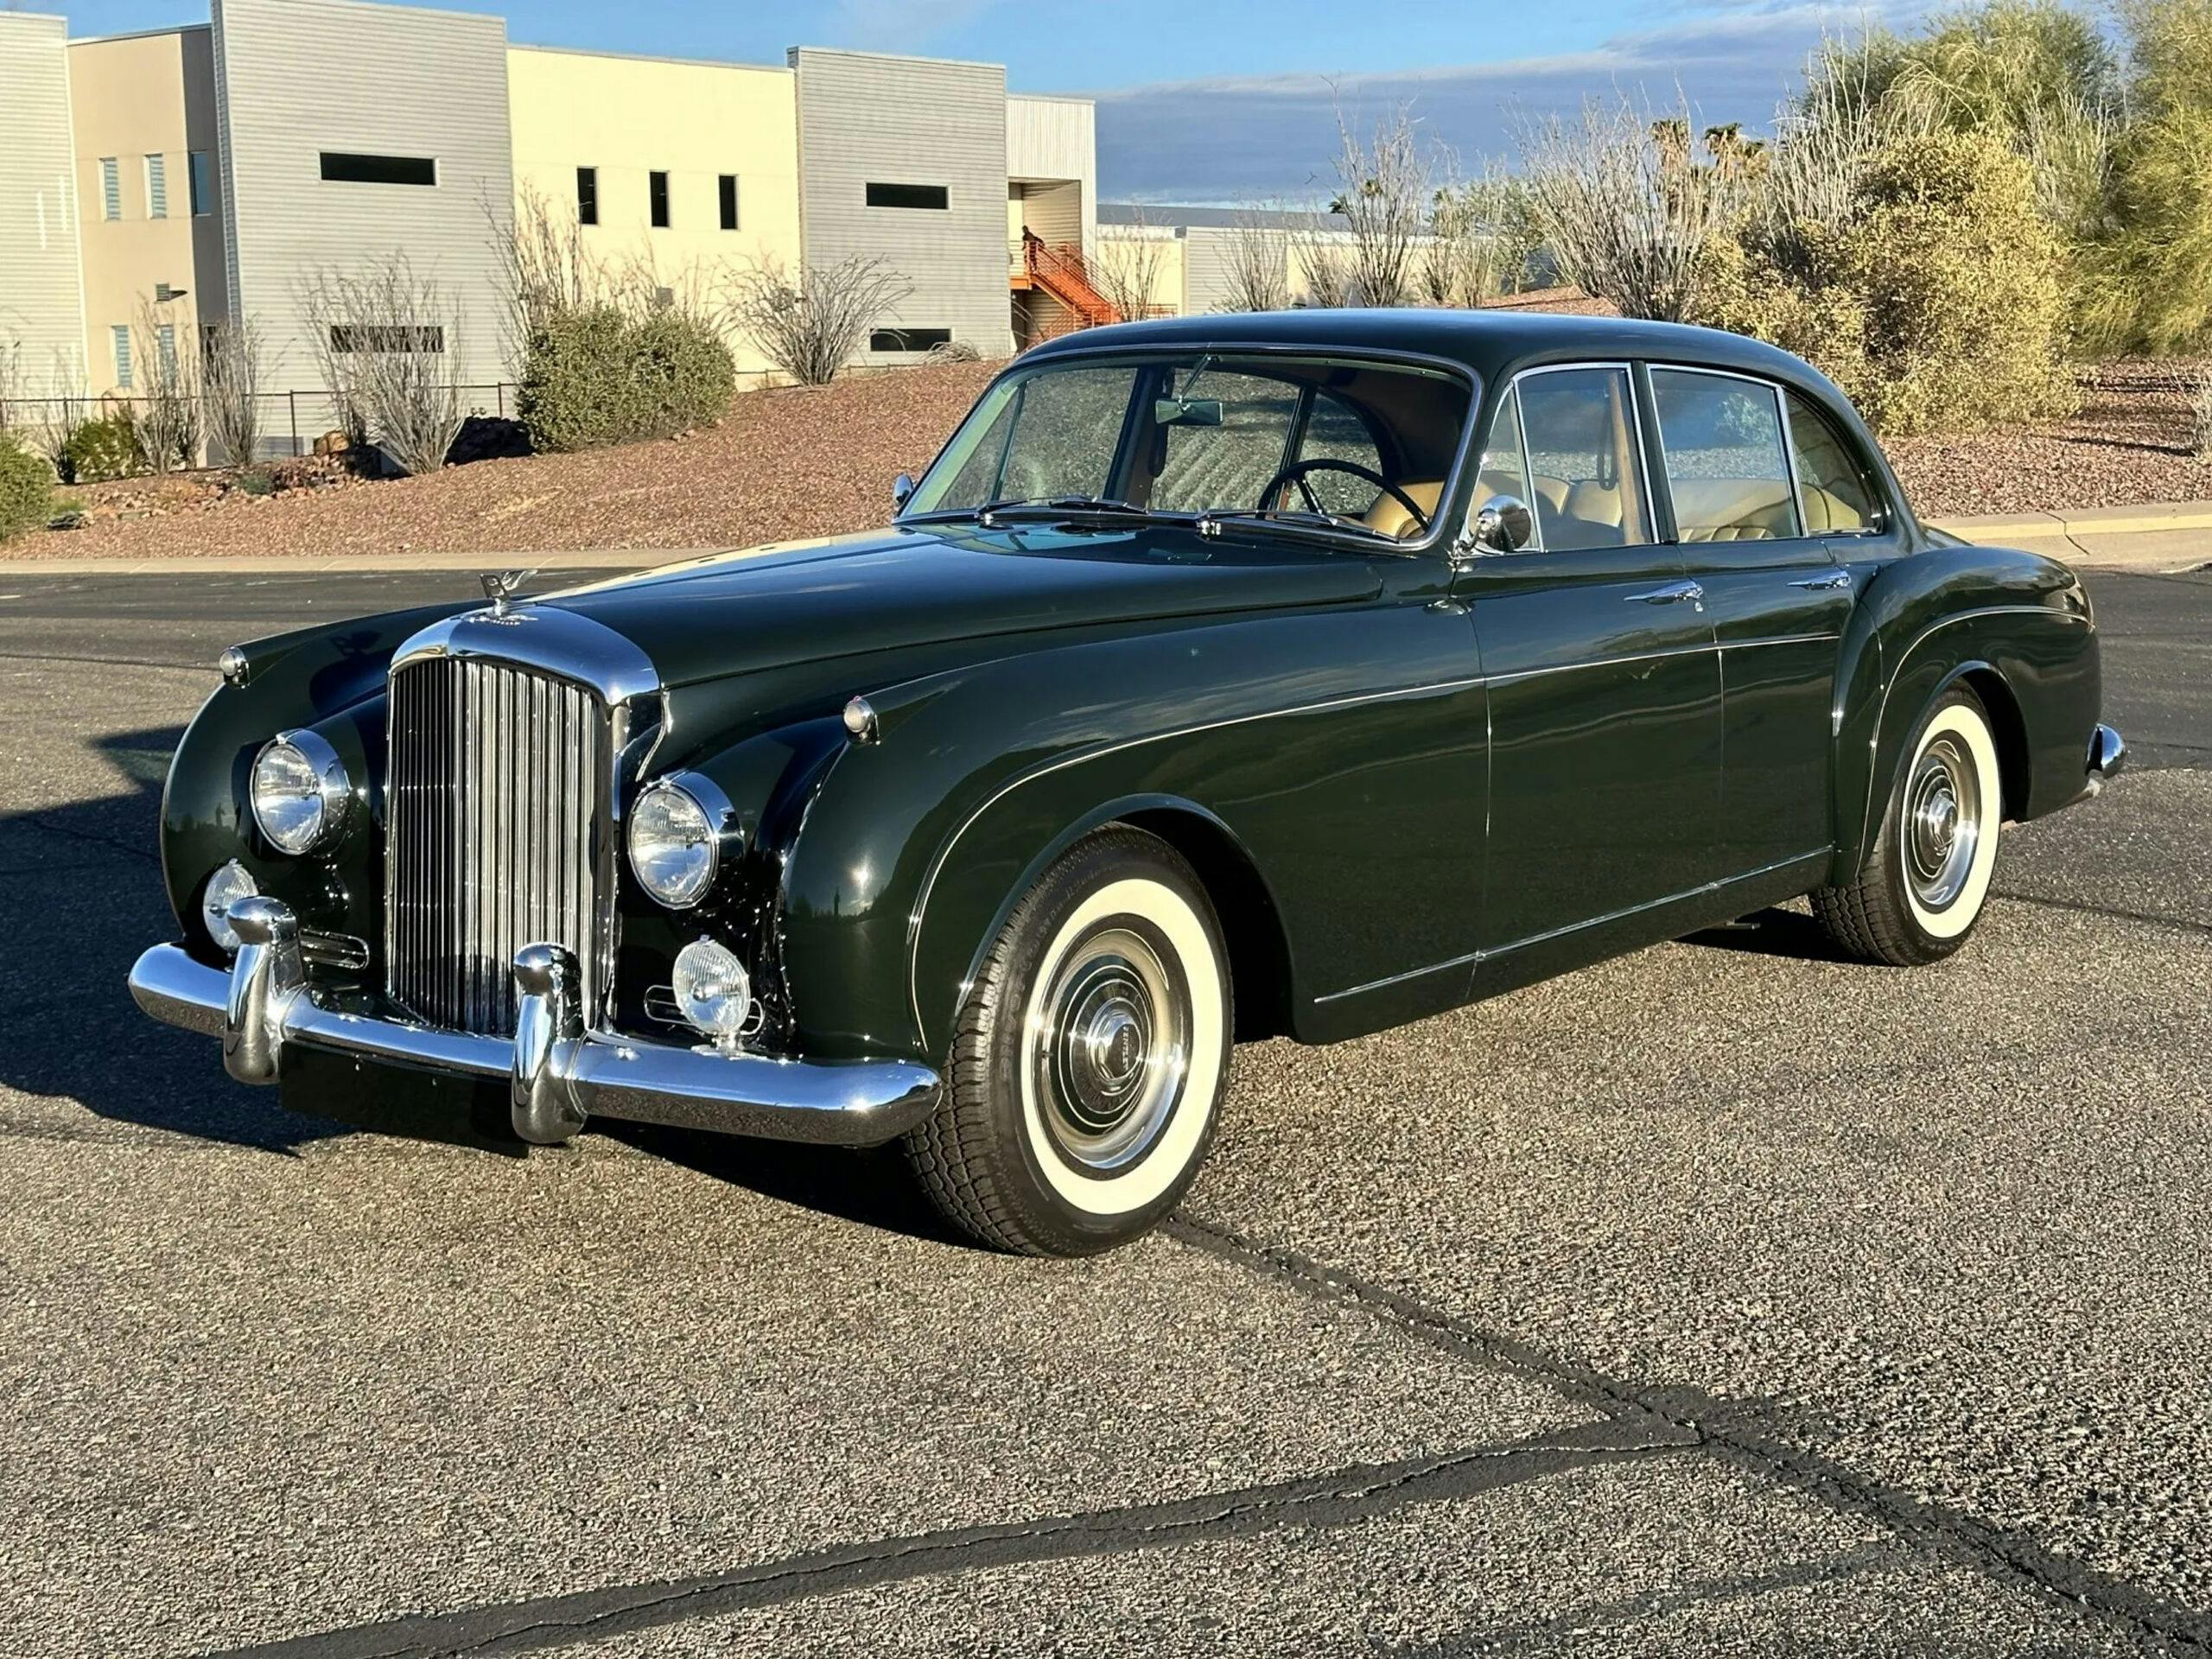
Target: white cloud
1235	139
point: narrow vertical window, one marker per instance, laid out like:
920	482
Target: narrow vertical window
657	191
166	335
122	333
729	201
203	183
110	188
157	186
587	196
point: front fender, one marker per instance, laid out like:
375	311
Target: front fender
2017	625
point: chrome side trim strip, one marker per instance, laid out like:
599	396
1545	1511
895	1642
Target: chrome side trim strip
1475	958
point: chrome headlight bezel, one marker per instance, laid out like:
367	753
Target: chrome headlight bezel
328	791
687	814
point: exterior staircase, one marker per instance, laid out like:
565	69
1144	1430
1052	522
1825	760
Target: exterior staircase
1058	271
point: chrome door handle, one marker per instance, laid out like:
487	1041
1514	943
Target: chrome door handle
1833	579
1673	593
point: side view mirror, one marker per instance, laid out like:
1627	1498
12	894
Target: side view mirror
1503	525
901	487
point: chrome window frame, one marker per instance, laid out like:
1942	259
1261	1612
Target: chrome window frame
1229	347
1626	369
1775	389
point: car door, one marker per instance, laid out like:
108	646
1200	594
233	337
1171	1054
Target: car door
1779	597
1605	694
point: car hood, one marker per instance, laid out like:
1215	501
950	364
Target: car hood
742	613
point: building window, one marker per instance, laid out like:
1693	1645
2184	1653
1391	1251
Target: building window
587	196
729	201
386	337
110	188
909	195
165	339
121	332
163	293
340	167
203	183
157	187
908	339
657	193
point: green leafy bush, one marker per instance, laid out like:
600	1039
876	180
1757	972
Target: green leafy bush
1934	298
595	376
102	449
26	489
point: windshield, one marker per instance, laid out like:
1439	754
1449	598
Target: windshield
1330	443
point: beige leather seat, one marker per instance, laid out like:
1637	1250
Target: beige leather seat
1389	515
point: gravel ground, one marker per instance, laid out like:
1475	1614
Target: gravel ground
792	464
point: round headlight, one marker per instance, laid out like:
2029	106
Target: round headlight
675	831
226	887
714	990
300	792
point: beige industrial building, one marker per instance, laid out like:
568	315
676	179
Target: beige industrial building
157	184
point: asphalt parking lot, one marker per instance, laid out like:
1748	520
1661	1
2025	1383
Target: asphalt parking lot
1727	1298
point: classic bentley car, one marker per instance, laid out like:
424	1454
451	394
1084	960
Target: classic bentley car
1224	677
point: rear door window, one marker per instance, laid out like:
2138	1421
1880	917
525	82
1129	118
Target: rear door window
1726	471
1838	498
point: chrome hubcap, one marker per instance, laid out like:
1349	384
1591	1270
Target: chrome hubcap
1942	823
1110	1048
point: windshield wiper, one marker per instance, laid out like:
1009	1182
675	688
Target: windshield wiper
1060	504
1295	516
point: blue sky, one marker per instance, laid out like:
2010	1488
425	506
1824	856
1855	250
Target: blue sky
1232	101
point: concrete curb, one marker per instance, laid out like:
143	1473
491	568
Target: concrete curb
2166	537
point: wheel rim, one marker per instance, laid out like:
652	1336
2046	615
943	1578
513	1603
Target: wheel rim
1942	828
1109	1049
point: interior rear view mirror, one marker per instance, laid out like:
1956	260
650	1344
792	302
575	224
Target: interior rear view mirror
1187	411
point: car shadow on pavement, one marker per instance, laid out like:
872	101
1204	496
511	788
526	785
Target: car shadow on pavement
1773	932
86	897
871	1186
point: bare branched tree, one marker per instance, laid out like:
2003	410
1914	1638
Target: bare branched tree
547	270
1327	264
1384	186
1255	265
231	367
167	415
1624	207
386	340
810	324
1129	267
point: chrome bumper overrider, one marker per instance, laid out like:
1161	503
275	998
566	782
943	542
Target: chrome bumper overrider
2107	754
558	1073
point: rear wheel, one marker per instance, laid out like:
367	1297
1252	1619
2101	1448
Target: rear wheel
1089	1057
1921	889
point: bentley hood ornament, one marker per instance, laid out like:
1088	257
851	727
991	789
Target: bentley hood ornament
499	587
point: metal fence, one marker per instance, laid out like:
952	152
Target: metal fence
290	421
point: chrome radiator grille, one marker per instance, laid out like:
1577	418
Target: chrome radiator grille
496	818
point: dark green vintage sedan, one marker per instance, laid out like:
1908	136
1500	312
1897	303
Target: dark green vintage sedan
1225	677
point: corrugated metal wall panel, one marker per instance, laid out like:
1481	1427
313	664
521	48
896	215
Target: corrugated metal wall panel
863	119
297	78
41	289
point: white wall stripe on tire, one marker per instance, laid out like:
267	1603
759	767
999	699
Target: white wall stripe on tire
1963	723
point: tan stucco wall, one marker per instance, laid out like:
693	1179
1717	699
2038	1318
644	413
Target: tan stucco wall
132	97
627	116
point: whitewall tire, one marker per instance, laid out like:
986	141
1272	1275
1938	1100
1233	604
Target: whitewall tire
1089	1058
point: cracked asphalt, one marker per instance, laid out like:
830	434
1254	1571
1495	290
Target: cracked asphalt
1724	1299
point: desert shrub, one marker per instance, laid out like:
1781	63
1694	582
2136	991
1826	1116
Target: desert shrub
1934	296
595	377
26	489
98	450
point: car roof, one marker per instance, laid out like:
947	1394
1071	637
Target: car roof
1491	343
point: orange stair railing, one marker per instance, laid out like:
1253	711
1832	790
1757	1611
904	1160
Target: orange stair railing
1060	273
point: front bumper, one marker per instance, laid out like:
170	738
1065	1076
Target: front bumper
559	1074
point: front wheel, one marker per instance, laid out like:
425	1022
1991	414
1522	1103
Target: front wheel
1921	888
1089	1060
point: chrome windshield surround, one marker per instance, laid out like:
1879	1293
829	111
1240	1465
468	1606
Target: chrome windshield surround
541	636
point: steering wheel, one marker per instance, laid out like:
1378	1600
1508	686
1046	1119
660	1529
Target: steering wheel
1296	473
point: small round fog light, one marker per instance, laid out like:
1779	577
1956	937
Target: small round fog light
224	888
714	990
